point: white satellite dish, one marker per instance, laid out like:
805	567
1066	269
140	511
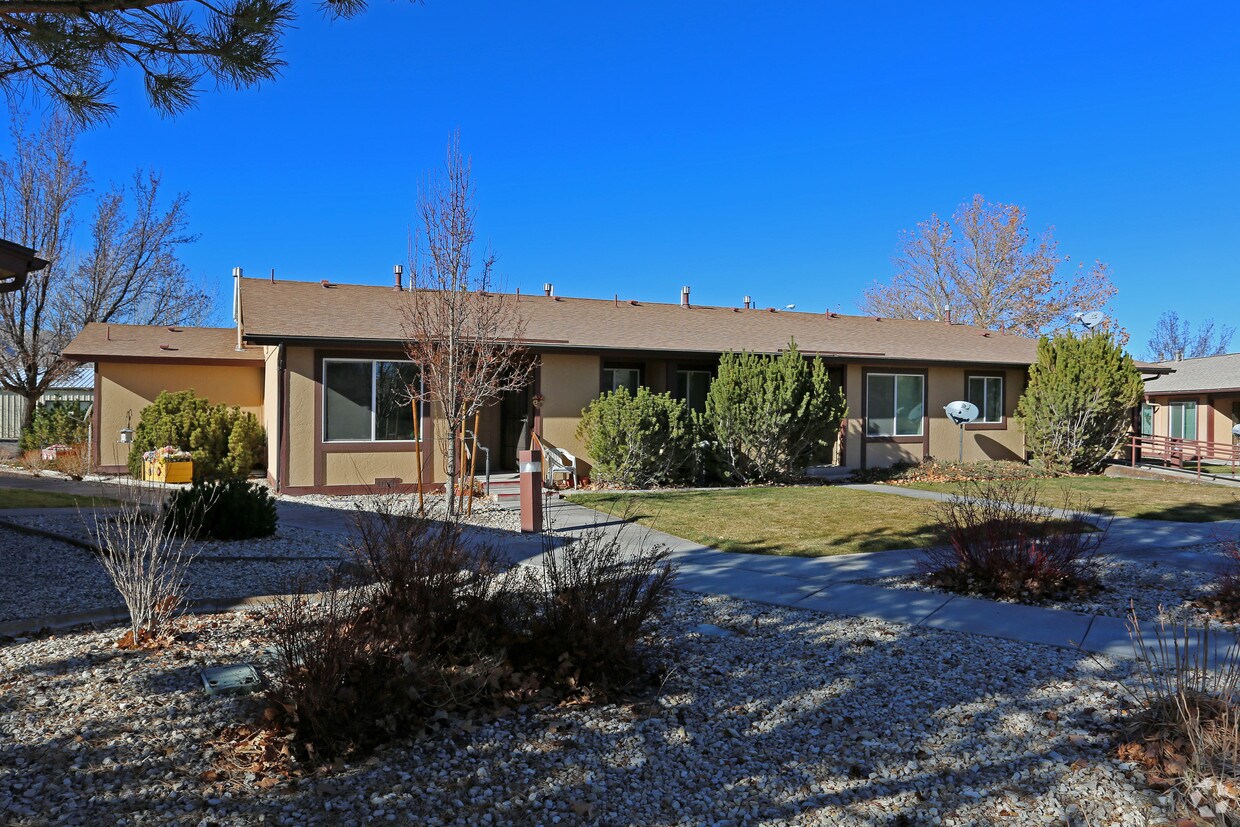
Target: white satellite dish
1092	319
962	412
1235	431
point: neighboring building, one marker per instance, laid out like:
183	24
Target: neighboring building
78	386
1197	400
321	364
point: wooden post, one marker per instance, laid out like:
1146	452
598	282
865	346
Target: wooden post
417	455
460	469
473	463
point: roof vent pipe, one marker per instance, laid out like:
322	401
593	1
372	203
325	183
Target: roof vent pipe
397	272
684	297
1179	355
548	288
748	302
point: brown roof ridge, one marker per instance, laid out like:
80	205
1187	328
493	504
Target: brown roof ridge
620	302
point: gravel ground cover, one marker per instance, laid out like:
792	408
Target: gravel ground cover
485	514
1150	587
47	577
767	716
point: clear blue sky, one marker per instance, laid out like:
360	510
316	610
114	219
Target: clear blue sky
775	149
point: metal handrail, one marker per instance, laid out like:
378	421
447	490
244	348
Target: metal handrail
1174	449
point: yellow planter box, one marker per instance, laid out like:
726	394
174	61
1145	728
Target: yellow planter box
171	472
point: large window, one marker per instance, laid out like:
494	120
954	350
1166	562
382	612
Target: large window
1183	417
692	386
986	392
616	376
367	400
894	404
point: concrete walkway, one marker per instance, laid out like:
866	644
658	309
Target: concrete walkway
821	583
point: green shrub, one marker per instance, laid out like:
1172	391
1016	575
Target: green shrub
771	416
1078	405
231	509
226	442
637	440
56	422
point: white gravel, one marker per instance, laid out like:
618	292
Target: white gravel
485	514
1152	588
799	718
46	577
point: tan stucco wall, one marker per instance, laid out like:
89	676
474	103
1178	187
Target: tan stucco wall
363	468
299	362
569	383
946	385
1223	409
271	380
126	388
943	385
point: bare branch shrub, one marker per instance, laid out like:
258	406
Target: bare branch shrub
1224	599
434	626
146	563
75	463
1002	541
1187	730
592	600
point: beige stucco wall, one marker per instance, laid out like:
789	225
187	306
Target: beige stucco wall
126	388
943	385
271	381
1223	409
569	382
947	385
299	362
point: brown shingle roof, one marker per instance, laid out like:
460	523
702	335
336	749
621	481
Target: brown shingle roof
308	310
130	342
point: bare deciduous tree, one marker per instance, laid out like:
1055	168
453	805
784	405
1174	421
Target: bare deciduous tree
128	272
984	268
71	50
466	339
1174	337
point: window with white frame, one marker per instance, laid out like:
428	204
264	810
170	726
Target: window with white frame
616	376
986	392
1183	420
894	404
368	400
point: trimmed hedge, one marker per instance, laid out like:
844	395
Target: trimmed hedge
223	510
225	442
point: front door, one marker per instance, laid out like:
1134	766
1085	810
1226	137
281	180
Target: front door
515	415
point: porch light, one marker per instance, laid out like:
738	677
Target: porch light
17	262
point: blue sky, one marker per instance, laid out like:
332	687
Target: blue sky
774	149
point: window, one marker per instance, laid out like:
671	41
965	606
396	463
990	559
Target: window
1183	417
1147	419
367	400
986	392
894	404
692	386
616	376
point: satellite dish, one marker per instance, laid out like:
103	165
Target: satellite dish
961	412
1235	431
1092	319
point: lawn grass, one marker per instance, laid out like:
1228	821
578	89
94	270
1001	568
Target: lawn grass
28	498
809	522
1121	497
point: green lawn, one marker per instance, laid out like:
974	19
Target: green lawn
809	522
27	498
1147	499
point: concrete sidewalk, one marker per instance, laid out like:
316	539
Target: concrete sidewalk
823	584
816	583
